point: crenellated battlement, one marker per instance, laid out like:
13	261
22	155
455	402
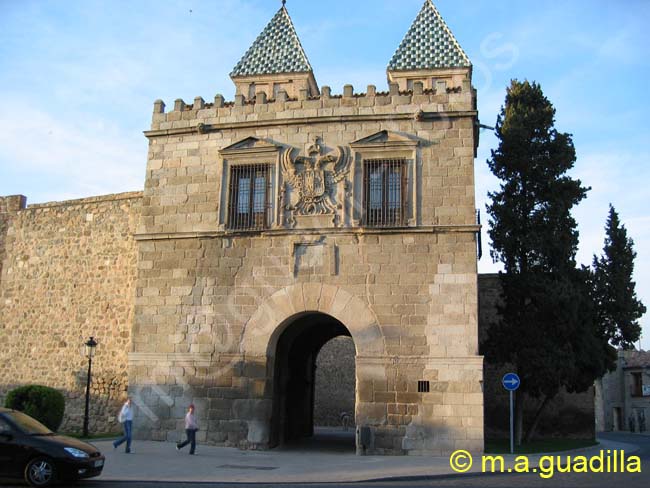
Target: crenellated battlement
12	203
441	99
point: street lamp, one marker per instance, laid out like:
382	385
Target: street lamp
91	344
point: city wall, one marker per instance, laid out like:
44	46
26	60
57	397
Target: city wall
68	273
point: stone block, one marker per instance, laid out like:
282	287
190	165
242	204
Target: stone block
255	370
384	397
259	410
311	294
258	432
371	413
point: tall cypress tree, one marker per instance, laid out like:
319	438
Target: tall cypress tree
618	307
546	330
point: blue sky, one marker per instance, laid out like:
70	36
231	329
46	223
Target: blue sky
78	80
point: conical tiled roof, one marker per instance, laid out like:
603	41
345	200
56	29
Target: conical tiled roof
429	44
276	50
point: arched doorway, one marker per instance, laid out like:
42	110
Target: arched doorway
294	372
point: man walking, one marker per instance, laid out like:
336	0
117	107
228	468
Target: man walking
126	419
191	426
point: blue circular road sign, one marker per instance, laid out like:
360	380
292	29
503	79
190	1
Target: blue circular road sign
511	381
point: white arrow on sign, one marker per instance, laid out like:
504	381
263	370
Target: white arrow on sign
511	381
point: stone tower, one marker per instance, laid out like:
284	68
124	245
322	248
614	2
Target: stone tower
430	54
276	61
287	217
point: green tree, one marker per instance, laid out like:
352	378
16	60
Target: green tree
546	329
618	308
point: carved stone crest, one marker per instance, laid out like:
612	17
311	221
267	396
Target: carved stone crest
313	180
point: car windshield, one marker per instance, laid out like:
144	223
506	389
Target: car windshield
28	424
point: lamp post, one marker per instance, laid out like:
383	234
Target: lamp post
91	344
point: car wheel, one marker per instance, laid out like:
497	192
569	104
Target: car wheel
40	472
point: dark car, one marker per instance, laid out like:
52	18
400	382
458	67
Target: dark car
31	451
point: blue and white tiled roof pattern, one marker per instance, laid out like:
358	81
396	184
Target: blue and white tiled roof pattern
428	44
276	50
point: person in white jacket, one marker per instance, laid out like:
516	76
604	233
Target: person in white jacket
191	426
126	419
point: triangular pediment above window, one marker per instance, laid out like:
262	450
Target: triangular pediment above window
385	138
251	145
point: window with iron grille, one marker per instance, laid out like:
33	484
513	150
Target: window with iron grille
384	192
248	207
424	386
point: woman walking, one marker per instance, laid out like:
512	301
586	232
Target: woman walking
126	419
191	426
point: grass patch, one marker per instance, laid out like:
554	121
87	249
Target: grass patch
502	446
93	437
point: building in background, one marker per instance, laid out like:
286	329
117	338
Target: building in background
623	395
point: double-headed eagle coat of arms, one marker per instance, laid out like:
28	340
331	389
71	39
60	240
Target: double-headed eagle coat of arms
314	179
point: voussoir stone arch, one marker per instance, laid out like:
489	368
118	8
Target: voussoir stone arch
267	323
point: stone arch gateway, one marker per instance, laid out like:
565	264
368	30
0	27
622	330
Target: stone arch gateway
286	333
292	204
294	375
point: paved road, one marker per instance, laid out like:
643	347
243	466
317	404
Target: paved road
596	480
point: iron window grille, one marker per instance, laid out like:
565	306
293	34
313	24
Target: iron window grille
248	202
384	192
424	386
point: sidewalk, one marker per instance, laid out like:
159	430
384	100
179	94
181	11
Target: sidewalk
159	461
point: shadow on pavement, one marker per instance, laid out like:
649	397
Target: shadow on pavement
330	440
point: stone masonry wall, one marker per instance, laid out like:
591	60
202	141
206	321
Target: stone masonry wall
210	303
335	383
185	168
9	206
69	273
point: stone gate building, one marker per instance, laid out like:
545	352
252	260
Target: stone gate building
268	226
